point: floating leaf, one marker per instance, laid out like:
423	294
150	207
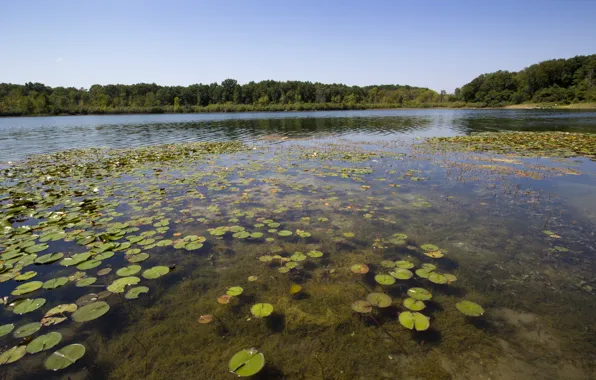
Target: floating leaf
65	357
29	305
156	272
25	276
261	310
359	268
6	329
61	309
429	247
26	330
295	288
298	256
414	320
55	283
134	293
104	271
314	253
224	299
27	287
437	278
129	270
420	294
401	274
362	306
246	362
404	264
36	248
204	319
44	342
90	311
89	264
13	354
434	254
120	284
137	258
85	282
469	308
384	279
414	304
234	291
284	233
379	299
49	258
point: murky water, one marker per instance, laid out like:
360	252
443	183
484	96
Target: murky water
315	199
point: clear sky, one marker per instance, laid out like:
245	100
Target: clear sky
437	44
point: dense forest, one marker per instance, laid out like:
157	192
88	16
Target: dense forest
563	81
38	99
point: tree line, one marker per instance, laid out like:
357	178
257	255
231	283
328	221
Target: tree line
229	95
563	81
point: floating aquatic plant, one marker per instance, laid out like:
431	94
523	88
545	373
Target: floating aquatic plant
65	357
156	272
12	354
26	330
234	291
469	308
135	292
415	320
261	310
419	294
44	342
247	362
414	304
385	279
379	299
401	274
359	268
90	311
28	305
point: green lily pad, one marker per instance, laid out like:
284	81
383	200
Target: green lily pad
359	268
90	311
44	342
48	258
314	253
65	357
129	270
25	276
437	278
404	264
246	362
420	294
75	259
384	279
27	287
29	305
415	320
120	284
414	304
261	310
13	354
469	308
6	329
401	273
26	330
284	233
103	255
85	282
379	299
61	309
362	306
429	247
137	258
298	256
55	283
155	272
424	273
36	248
234	291
256	235
134	293
283	269
89	264
193	246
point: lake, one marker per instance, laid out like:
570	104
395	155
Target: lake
315	245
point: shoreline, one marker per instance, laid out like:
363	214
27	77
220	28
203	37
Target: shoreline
242	109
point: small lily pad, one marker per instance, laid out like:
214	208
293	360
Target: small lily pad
404	264
234	291
137	258
384	279
55	283
414	304
360	268
13	354
134	293
90	311
44	342
469	308
261	310
61	309
27	287
48	258
314	253
379	299
420	294
26	330
415	320
437	278
65	357
120	284
129	270
298	256
284	233
156	272
25	276
6	329
29	305
402	274
247	362
429	247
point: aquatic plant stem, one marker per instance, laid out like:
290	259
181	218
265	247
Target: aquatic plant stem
226	329
322	368
388	333
361	284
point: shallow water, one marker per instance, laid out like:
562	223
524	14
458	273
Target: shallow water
516	232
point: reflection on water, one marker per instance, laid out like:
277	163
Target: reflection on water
20	137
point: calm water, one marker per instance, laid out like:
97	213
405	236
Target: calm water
512	234
20	137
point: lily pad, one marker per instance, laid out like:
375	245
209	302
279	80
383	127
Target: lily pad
404	264
420	294
6	329
360	268
85	282
49	258
362	306
137	258
89	264
414	304
469	308
120	284
401	273
13	354
27	287
429	247
261	310
25	276
234	291
29	305
314	253
155	272
26	330
65	357
298	256
90	311
134	293
437	278
246	362
44	342
384	279
55	283
415	320
284	233
61	309
129	270
379	299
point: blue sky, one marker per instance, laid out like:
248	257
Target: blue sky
435	44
